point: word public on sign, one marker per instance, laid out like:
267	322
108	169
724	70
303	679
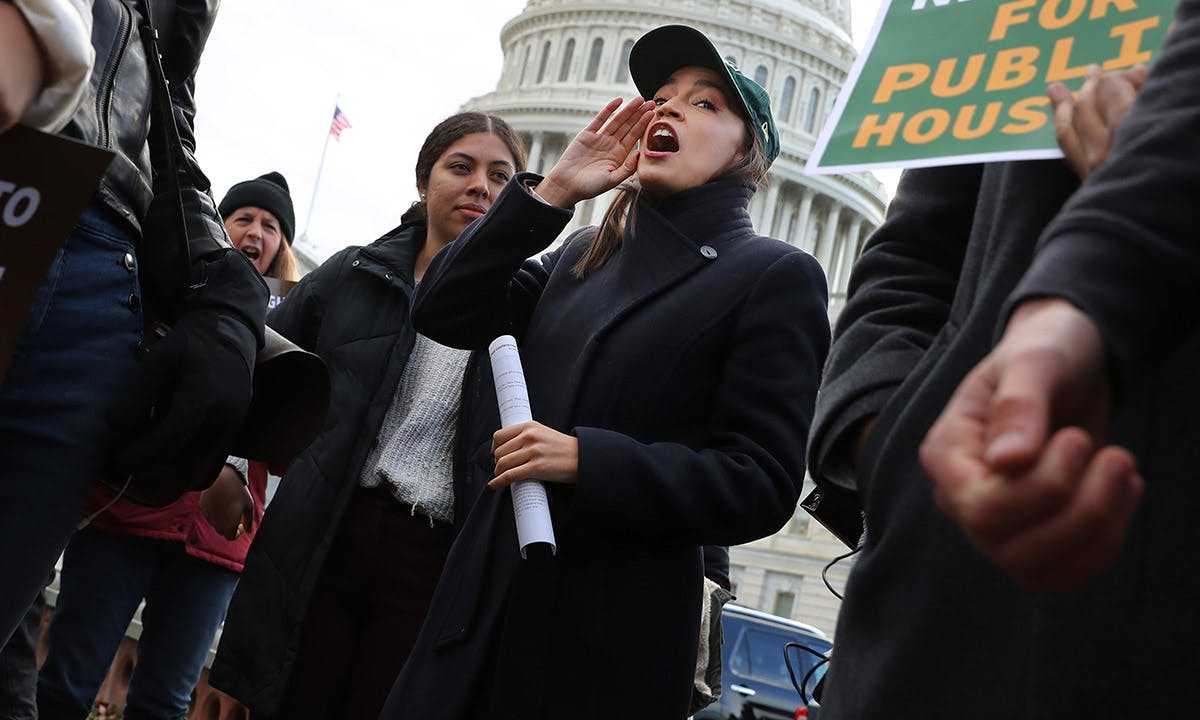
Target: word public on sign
944	82
45	183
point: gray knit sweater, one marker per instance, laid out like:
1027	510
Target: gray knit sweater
414	450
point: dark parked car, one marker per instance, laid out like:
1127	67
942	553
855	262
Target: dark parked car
755	682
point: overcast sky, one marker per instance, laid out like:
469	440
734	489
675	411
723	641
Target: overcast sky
274	68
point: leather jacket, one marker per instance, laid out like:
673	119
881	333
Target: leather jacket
115	115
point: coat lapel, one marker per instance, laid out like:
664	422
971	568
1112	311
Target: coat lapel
670	242
666	245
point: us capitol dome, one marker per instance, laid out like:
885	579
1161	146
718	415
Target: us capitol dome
564	59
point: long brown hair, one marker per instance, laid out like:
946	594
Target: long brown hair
753	167
448	132
284	265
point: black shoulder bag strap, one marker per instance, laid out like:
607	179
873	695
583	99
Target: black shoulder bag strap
166	266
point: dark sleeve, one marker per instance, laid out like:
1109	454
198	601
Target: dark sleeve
1125	248
191	24
480	286
224	281
901	290
744	483
716	565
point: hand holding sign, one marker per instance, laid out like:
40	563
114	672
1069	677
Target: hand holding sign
1085	126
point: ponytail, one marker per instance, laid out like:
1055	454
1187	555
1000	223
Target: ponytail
611	230
416	213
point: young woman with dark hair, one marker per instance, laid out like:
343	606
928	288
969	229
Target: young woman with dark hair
337	584
672	358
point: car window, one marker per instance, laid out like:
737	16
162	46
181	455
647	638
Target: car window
760	654
816	677
739	660
803	661
765	656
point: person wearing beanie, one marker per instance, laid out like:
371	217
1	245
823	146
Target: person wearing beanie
172	557
261	221
672	358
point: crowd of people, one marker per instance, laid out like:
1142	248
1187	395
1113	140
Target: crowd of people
1005	396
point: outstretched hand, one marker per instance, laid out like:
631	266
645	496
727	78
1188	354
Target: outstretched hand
1014	457
603	155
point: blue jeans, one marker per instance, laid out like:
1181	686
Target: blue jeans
79	340
103	579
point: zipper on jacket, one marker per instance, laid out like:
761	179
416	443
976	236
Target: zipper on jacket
386	272
108	80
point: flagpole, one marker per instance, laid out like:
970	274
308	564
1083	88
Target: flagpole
320	169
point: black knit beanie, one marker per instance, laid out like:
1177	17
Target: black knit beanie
269	192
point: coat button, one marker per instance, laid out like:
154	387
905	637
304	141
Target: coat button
134	302
130	263
708	252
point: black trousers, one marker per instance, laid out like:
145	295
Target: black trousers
367	609
18	666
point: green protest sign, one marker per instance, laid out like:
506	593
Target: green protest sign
954	81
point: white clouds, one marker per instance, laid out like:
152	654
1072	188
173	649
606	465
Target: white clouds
272	70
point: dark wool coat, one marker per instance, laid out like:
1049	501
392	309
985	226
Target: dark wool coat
923	305
353	311
929	628
686	367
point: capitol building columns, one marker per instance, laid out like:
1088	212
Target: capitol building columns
535	151
804	214
765	223
849	251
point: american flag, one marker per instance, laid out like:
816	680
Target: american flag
340	123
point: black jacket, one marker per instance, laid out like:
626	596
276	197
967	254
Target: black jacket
353	311
687	368
115	115
929	628
921	311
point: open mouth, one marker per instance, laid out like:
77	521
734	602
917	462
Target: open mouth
662	140
252	253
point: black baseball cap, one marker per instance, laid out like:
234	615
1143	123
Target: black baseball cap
665	49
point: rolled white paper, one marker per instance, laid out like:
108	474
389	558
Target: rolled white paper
530	505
